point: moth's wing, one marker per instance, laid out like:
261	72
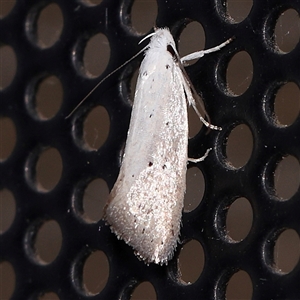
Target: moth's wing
146	202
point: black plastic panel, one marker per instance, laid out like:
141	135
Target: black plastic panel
223	183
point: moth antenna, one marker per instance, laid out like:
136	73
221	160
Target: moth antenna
101	81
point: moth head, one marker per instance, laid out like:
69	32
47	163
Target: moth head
162	38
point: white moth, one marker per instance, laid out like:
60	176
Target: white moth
145	205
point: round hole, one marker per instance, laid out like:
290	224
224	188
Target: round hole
286	251
287	30
192	39
94	199
239	219
191	261
239	79
49	26
287	103
286	177
49	97
48	296
195	186
96	55
239	146
143	15
48	242
96	128
48	170
144	291
238	10
95	273
6	7
239	286
8	66
8	209
8	138
8	280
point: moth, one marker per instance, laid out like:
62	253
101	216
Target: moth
145	205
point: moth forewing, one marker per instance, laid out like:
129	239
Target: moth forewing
146	201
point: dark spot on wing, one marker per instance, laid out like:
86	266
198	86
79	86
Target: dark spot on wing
167	67
150	164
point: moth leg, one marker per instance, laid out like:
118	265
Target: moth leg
189	92
196	160
207	124
199	54
188	87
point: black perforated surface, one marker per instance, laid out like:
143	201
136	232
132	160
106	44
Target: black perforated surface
223	183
